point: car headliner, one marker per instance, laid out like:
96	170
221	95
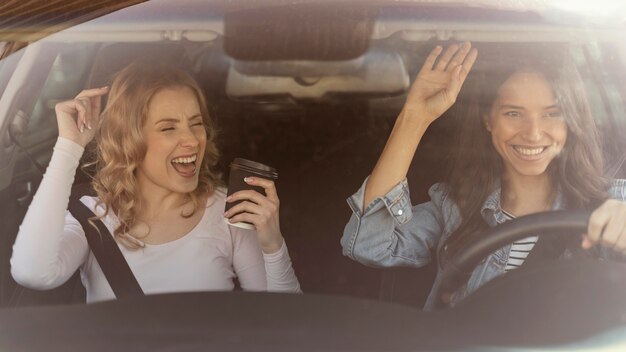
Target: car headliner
24	21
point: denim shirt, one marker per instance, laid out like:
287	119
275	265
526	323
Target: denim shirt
391	232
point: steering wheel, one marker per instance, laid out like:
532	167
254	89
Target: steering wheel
458	269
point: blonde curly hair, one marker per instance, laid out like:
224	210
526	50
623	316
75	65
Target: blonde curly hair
120	146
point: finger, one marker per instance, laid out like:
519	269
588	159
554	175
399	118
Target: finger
86	102
93	99
432	57
455	83
586	243
86	105
248	194
445	58
82	111
268	186
94	92
467	65
245	217
245	206
597	221
459	56
612	231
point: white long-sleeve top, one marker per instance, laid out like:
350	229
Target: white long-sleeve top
51	246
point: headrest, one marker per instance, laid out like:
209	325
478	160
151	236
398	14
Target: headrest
111	58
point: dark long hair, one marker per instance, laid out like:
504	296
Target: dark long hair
475	166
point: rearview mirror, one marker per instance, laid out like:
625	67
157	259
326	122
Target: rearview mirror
377	73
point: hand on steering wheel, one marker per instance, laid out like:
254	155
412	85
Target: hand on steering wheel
607	227
457	269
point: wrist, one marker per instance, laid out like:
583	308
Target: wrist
272	247
69	145
415	118
412	122
72	138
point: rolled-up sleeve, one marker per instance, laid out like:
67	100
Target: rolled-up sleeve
392	232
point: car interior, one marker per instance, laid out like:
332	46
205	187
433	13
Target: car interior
320	121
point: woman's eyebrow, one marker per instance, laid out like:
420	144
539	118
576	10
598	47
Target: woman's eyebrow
169	119
166	120
509	106
517	107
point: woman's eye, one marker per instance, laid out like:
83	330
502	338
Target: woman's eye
167	129
554	114
512	114
197	124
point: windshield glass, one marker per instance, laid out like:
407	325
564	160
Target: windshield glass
313	90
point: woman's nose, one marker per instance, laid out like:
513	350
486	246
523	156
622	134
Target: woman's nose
533	130
188	138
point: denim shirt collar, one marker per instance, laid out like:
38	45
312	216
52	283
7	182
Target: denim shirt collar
492	213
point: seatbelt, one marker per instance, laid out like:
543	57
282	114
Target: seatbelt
106	251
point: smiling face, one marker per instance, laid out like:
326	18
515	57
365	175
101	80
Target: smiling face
175	139
527	127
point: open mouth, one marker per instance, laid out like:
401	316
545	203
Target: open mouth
185	165
529	153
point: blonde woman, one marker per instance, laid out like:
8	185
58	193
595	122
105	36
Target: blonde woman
157	193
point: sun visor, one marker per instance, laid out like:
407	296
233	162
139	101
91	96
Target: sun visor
299	30
377	73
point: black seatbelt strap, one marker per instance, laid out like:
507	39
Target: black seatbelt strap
107	252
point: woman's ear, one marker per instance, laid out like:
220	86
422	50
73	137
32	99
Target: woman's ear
486	123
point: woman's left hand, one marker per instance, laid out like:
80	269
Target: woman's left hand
259	210
607	226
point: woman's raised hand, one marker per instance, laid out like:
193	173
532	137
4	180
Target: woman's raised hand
439	81
77	118
259	210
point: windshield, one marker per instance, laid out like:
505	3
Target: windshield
313	90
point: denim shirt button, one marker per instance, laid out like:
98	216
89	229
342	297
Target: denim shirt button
400	212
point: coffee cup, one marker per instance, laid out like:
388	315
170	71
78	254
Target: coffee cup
239	169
